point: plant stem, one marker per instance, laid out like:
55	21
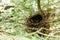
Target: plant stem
39	7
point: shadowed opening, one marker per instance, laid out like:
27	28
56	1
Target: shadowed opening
36	18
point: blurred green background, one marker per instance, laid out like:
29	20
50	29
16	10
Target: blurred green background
12	21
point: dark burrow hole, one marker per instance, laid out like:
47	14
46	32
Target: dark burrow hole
34	20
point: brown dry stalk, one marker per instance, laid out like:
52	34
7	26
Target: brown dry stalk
49	35
34	32
39	7
38	31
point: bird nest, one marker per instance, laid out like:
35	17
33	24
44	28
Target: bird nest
37	21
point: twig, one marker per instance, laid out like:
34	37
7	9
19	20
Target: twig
38	31
34	32
49	35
